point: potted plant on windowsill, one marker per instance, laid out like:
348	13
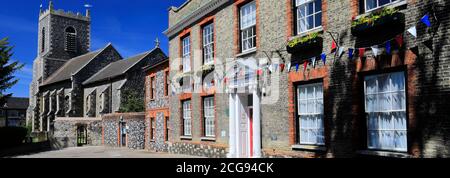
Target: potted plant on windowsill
378	22
308	42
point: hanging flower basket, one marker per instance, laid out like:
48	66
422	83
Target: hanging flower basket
378	22
302	44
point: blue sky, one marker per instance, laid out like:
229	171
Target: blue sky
131	26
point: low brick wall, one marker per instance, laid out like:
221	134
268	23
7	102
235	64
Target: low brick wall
65	133
135	133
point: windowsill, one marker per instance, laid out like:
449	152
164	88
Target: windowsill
186	137
309	148
384	154
248	52
211	139
302	34
393	5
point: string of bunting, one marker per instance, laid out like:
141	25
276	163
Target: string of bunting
398	39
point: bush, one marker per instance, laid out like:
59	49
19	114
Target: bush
12	136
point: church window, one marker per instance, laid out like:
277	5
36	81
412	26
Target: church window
71	39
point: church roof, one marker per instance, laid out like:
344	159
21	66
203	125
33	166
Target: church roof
73	66
120	67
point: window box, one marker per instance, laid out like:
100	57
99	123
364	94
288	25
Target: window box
206	69
305	43
378	22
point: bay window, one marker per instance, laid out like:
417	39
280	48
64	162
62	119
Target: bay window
309	15
208	114
310	114
385	107
208	44
248	26
187	120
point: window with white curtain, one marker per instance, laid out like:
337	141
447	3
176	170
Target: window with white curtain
248	26
187	120
310	114
309	15
208	44
186	53
374	4
208	112
385	99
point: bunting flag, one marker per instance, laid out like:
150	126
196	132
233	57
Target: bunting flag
305	65
296	67
225	80
375	50
324	58
313	59
426	20
270	68
333	46
260	71
341	51
282	67
399	40
388	47
275	67
350	53
289	67
413	31
362	52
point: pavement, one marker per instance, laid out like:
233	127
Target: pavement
102	152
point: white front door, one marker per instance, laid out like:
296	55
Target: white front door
243	135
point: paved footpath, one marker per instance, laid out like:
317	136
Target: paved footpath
102	152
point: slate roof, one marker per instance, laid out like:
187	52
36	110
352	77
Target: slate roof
157	60
17	103
72	66
121	67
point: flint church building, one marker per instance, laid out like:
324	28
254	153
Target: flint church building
309	78
70	81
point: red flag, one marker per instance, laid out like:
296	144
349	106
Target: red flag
260	71
333	46
282	67
362	51
399	39
225	80
305	65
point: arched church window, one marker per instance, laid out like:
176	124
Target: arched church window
71	39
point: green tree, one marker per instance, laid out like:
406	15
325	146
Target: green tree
7	69
132	102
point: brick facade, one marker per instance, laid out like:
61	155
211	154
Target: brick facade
343	79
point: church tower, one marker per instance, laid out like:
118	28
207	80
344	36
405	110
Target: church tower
62	35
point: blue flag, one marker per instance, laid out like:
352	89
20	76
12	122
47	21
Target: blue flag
324	58
296	67
388	47
426	20
350	53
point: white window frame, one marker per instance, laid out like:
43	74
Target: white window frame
316	112
389	110
378	5
304	4
186	53
187	118
208	44
248	26
209	116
